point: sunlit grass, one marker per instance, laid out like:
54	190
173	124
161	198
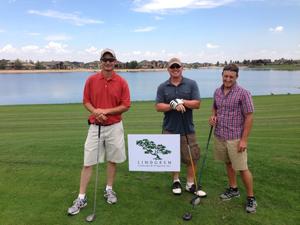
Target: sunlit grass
41	151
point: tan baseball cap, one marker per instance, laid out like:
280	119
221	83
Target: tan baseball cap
174	61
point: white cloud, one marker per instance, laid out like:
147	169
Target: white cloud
140	55
56	47
73	18
144	29
2	31
277	29
209	45
58	37
92	50
8	49
136	52
32	49
163	6
29	48
59	51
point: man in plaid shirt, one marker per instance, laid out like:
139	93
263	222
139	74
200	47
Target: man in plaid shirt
232	116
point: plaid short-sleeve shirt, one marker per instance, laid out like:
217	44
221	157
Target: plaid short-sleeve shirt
231	110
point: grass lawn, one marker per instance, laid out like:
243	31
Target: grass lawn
288	67
41	150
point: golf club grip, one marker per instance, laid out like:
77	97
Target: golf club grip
209	136
184	128
99	130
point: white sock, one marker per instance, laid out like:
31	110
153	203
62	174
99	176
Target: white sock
175	180
108	187
189	184
81	196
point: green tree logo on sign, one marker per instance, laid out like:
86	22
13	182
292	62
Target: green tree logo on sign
151	148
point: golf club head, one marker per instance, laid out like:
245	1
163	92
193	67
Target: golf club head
90	218
201	193
187	216
196	201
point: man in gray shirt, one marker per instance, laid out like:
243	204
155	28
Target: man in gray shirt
176	98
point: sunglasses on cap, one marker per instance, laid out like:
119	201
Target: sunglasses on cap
108	59
175	65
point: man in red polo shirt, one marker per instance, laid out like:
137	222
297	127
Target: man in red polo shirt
106	96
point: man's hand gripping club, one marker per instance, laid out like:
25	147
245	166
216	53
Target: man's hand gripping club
177	104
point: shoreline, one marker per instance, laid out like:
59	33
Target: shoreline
76	70
140	70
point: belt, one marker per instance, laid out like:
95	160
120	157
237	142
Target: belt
97	124
103	125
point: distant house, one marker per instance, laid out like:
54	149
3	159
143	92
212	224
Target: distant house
28	66
67	65
147	64
92	65
53	65
10	65
120	65
161	64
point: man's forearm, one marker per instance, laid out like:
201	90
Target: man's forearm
247	126
108	111
192	104
89	107
162	107
117	110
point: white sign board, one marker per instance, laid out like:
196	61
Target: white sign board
154	152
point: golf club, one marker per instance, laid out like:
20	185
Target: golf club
204	157
188	216
189	150
200	193
92	217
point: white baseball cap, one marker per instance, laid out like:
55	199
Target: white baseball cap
107	50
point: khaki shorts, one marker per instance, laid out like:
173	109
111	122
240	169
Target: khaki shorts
112	145
184	151
227	151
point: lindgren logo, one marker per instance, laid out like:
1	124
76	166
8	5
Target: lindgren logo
150	147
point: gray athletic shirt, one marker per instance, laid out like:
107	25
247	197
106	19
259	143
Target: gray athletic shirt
166	92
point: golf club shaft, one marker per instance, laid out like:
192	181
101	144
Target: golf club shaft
189	150
205	156
96	180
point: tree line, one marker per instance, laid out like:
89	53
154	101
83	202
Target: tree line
154	64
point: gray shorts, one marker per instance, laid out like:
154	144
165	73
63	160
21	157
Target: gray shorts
111	146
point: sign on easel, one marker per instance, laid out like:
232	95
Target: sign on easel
154	152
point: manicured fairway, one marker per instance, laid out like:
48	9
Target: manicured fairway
41	149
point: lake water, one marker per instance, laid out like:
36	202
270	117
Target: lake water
45	88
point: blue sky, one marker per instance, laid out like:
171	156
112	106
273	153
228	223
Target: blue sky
193	30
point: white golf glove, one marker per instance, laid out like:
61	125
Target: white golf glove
174	103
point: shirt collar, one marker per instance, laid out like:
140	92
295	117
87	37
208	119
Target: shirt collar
181	82
113	77
233	88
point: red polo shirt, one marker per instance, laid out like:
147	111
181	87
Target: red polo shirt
106	93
